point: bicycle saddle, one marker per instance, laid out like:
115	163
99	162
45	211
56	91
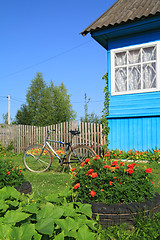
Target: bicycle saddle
75	132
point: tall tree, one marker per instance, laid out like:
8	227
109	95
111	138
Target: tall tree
45	105
92	117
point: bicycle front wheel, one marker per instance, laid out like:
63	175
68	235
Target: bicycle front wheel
78	154
37	159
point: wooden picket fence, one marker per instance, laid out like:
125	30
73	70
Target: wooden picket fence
21	136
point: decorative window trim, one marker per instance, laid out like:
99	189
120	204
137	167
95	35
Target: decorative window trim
125	66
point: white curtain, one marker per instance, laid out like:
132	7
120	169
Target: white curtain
135	69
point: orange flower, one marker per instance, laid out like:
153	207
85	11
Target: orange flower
96	157
77	185
112	169
94	175
110	183
87	160
82	164
107	166
102	190
93	193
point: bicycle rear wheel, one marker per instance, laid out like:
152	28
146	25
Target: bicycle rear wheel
78	154
37	159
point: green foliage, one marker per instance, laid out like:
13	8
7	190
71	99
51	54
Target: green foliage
46	104
99	180
55	218
10	175
8	149
105	110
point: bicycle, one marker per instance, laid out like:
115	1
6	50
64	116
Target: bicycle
38	158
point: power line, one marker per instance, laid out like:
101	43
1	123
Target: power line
46	60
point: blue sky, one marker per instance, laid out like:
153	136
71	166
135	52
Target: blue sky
44	36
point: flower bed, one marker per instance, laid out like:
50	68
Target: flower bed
150	155
106	181
10	175
111	183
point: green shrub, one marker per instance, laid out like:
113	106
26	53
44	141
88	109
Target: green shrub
99	180
10	175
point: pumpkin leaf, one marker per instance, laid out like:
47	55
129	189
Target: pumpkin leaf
14	216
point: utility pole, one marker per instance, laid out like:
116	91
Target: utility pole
9	116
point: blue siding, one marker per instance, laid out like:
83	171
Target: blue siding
134	133
134	119
140	104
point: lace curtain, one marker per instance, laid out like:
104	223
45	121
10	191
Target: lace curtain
135	69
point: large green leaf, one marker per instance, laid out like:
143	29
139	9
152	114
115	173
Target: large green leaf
3	206
86	209
32	208
60	236
85	234
67	225
5	230
15	216
50	210
45	226
53	198
69	210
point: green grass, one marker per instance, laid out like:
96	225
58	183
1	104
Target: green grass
42	183
53	182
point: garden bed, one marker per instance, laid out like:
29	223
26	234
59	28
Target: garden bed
124	213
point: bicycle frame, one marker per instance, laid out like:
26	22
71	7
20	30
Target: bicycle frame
50	147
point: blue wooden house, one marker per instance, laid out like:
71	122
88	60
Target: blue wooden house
130	32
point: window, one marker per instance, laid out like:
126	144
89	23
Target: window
134	69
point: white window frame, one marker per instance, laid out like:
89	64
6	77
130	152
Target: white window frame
135	47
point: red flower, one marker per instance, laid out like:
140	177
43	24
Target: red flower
107	166
114	163
90	171
93	193
20	170
82	164
8	173
110	183
102	190
132	165
121	163
148	170
94	175
151	182
87	160
117	167
73	169
130	170
115	178
96	157
77	185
